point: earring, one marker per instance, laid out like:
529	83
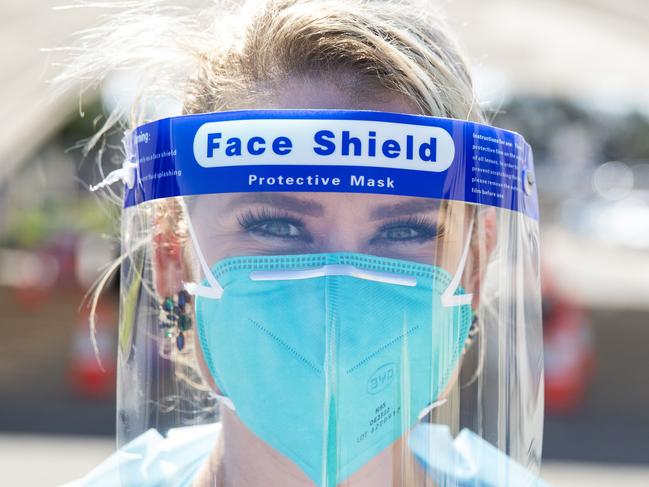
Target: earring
473	332
472	336
175	317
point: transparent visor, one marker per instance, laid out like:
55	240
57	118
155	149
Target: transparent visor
310	337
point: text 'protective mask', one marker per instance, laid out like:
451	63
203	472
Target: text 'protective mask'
341	279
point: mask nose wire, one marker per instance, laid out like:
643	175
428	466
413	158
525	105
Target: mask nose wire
449	298
214	290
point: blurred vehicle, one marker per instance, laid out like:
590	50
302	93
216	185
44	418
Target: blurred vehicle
92	372
44	265
568	352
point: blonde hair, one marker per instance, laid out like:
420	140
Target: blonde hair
235	55
396	46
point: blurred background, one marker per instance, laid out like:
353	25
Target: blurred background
571	75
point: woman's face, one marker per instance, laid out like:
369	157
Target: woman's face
278	223
399	227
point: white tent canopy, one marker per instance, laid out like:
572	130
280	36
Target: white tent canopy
29	111
597	50
593	48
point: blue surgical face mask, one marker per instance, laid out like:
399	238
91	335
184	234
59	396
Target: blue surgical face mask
330	358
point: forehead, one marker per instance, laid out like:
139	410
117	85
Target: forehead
335	91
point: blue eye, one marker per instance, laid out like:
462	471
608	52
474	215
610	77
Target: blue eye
409	231
400	233
277	228
272	224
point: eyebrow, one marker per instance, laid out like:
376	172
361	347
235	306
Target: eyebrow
415	205
280	201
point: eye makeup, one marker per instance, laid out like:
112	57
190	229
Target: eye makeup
273	224
409	230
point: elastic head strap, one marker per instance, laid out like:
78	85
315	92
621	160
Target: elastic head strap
449	298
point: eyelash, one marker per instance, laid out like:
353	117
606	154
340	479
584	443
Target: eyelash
427	227
252	218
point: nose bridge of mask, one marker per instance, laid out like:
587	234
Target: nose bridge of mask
214	290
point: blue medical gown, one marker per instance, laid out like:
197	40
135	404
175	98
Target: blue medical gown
152	460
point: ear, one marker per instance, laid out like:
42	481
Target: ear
169	269
482	247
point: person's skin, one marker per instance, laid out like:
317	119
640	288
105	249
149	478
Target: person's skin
399	227
405	228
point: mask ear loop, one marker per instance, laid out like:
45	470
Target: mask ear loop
214	290
475	333
449	298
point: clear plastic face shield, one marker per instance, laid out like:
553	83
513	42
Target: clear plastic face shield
328	298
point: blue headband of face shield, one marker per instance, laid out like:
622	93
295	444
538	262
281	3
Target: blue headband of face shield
346	151
361	346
